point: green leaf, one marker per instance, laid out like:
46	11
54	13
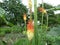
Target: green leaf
2	12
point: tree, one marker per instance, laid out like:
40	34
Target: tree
58	18
14	10
3	19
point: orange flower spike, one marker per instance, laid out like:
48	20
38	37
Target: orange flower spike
30	26
24	16
42	10
30	3
30	30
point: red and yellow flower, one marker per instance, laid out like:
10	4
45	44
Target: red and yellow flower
30	30
42	10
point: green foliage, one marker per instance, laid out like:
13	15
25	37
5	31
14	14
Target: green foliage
57	7
22	41
45	5
54	35
58	18
50	13
1	43
2	34
2	12
14	29
3	18
42	35
14	11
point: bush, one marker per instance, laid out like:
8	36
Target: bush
2	33
14	29
53	36
1	43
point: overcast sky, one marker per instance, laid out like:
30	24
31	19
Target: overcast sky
52	2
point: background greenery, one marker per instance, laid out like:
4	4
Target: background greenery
12	31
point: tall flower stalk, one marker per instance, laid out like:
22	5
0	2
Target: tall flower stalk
43	29
24	17
30	8
35	22
42	14
30	25
47	20
30	30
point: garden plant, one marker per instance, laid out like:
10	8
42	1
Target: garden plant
19	24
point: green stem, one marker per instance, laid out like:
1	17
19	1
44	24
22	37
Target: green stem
42	34
7	23
30	13
25	25
42	21
42	15
30	42
47	20
35	22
